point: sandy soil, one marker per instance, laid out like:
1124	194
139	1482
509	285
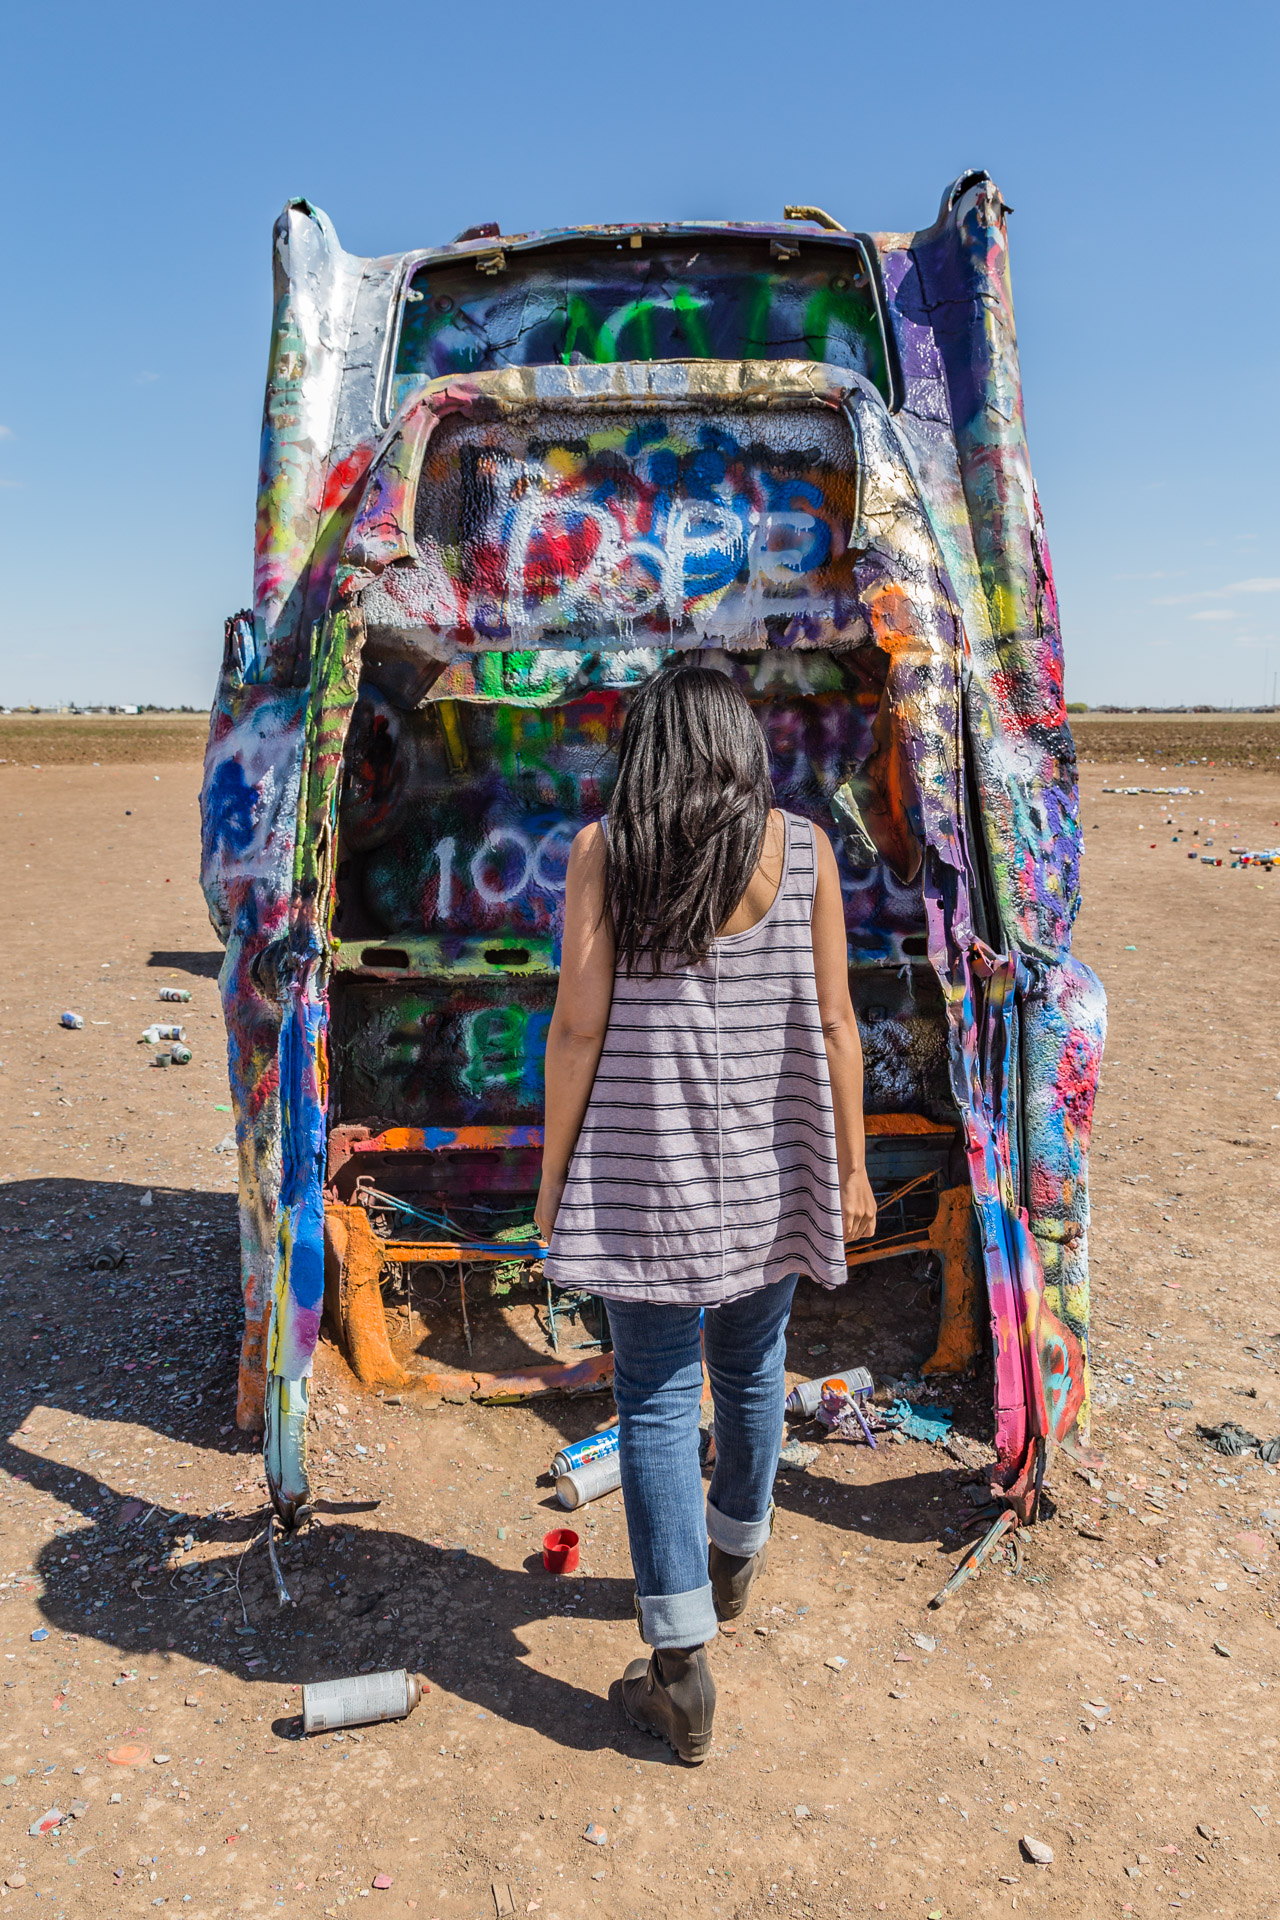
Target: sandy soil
1216	739
1115	1699
101	739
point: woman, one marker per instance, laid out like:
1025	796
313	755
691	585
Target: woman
704	1146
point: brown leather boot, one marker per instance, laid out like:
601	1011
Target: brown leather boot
672	1695
731	1577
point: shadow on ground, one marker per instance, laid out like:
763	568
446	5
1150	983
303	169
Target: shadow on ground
205	965
154	1342
364	1598
156	1338
917	1508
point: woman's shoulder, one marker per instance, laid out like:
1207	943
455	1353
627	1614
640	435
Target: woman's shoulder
589	842
801	831
588	865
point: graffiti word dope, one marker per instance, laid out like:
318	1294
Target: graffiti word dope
644	525
572	560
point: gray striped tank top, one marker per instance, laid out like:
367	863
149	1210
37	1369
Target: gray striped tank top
706	1165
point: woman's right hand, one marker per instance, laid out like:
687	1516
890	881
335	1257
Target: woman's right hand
857	1206
550	1193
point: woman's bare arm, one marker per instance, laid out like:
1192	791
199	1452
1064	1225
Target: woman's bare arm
577	1030
844	1048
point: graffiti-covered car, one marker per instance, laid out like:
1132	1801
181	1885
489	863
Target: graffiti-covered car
502	480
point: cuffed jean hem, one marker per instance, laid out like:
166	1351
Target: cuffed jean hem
742	1537
677	1619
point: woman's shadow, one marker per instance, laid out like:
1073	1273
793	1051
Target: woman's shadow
362	1599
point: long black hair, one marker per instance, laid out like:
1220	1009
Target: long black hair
687	818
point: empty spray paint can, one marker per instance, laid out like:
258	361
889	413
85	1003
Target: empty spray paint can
362	1698
175	993
180	1055
158	1032
805	1399
584	1484
597	1446
71	1020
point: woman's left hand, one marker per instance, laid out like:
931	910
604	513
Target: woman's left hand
857	1204
548	1206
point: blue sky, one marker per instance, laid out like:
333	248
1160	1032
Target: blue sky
147	150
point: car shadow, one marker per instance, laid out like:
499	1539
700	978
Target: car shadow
170	1284
362	1599
919	1507
367	1597
205	965
127	1307
83	1342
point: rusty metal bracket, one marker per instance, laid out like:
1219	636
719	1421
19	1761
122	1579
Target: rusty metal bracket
283	1596
817	215
971	1564
354	1259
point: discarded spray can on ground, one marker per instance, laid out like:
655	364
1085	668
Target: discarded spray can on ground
590	1482
804	1400
596	1446
73	1020
175	993
158	1032
180	1055
357	1701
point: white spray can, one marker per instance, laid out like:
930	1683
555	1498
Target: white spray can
807	1397
362	1698
589	1481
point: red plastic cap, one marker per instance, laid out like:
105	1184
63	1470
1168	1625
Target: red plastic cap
560	1550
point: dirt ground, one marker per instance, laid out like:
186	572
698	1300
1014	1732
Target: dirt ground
1114	1700
1216	740
102	739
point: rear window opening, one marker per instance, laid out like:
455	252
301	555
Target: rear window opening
699	299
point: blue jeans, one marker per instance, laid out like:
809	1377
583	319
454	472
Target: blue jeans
657	1383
